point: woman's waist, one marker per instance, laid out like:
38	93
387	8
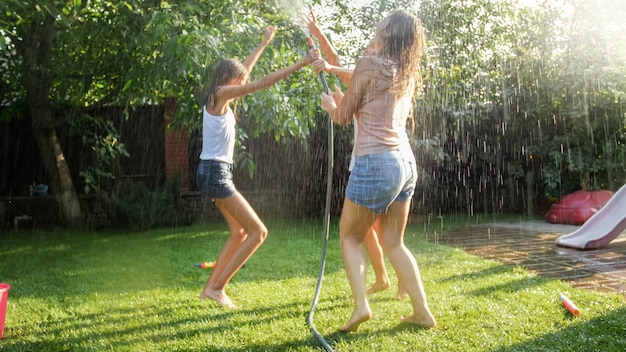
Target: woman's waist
364	148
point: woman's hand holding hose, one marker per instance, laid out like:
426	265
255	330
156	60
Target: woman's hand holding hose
330	101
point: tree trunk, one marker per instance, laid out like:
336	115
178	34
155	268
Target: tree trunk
585	181
530	193
61	184
36	51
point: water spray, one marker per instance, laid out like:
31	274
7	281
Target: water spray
329	188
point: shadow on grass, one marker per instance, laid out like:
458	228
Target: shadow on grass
605	333
338	337
110	329
60	266
524	283
495	269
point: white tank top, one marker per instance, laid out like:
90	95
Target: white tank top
218	136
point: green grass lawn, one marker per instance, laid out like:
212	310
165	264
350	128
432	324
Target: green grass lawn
124	291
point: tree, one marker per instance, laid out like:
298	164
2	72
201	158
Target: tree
521	100
511	97
570	90
462	114
32	41
63	59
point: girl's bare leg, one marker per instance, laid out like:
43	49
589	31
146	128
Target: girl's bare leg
236	238
391	234
375	253
402	294
354	224
238	214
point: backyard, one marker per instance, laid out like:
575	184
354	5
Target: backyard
113	290
101	102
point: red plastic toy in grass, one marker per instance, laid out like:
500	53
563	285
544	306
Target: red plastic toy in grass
577	207
570	306
206	265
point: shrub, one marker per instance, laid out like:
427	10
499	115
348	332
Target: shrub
133	206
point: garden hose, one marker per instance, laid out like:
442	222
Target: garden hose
329	188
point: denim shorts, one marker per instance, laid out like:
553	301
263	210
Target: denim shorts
377	180
215	179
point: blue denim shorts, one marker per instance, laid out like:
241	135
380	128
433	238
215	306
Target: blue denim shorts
377	180
215	179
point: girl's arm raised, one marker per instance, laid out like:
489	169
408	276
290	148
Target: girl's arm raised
345	74
256	53
329	51
236	91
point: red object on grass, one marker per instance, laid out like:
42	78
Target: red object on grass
577	207
206	265
570	306
4	296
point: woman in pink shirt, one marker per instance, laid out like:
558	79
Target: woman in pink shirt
381	184
334	66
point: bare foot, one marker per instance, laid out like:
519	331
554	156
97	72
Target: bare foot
378	286
218	296
402	294
356	319
423	321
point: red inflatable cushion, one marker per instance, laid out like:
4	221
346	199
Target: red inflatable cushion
577	207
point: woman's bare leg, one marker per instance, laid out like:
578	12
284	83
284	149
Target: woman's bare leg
391	234
375	253
236	238
239	214
354	224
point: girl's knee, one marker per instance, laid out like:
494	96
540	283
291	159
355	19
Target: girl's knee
389	244
351	240
239	233
263	234
259	234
